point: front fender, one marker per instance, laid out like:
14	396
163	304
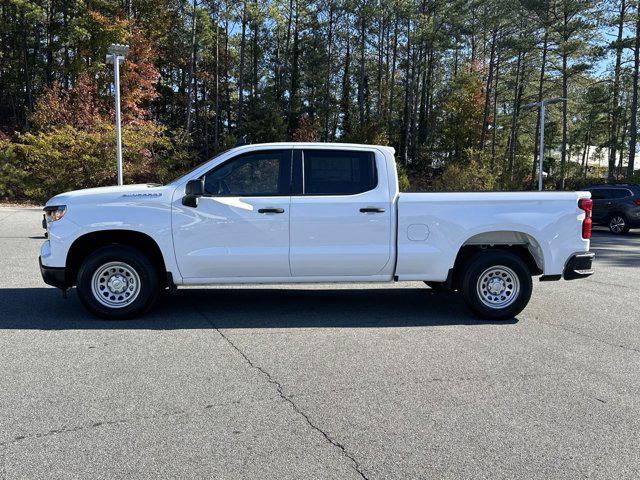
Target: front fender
150	217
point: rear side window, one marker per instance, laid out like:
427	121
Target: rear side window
338	172
620	193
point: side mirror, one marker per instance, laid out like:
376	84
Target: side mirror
193	190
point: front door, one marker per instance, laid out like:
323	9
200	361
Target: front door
341	215
240	228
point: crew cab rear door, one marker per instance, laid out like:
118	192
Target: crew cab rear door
340	213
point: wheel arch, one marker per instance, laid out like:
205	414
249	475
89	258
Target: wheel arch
520	243
89	242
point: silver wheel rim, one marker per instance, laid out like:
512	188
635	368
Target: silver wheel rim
115	284
498	287
617	224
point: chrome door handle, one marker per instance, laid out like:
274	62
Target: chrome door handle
372	210
271	210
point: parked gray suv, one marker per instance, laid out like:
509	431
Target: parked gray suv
616	206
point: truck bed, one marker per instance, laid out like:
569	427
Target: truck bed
432	227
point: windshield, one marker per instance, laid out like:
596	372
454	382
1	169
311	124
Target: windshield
197	167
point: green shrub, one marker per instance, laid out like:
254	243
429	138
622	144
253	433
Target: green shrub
403	178
472	175
36	166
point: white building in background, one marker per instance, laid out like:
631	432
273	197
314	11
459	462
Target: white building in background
597	158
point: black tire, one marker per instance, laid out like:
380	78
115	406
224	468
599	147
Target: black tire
126	263
478	294
618	224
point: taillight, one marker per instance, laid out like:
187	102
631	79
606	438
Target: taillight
637	201
586	204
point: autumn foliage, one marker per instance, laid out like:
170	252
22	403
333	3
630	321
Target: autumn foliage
448	84
71	144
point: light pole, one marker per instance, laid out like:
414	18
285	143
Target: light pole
542	104
115	55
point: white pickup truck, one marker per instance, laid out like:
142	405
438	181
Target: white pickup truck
305	213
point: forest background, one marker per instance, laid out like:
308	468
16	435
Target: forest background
445	82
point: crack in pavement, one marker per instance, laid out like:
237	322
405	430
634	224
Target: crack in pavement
590	337
495	379
102	423
280	391
608	284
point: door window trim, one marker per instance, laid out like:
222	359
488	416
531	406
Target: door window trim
298	174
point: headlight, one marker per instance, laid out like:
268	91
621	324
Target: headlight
54	212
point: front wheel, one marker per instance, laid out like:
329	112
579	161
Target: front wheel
117	282
618	224
496	284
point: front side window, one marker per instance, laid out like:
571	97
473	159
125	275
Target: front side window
253	174
336	172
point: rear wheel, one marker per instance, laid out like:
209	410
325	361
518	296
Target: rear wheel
618	224
117	282
496	284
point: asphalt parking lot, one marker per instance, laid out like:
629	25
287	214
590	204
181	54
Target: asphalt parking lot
351	381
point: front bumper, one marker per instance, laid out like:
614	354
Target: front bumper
579	265
54	276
